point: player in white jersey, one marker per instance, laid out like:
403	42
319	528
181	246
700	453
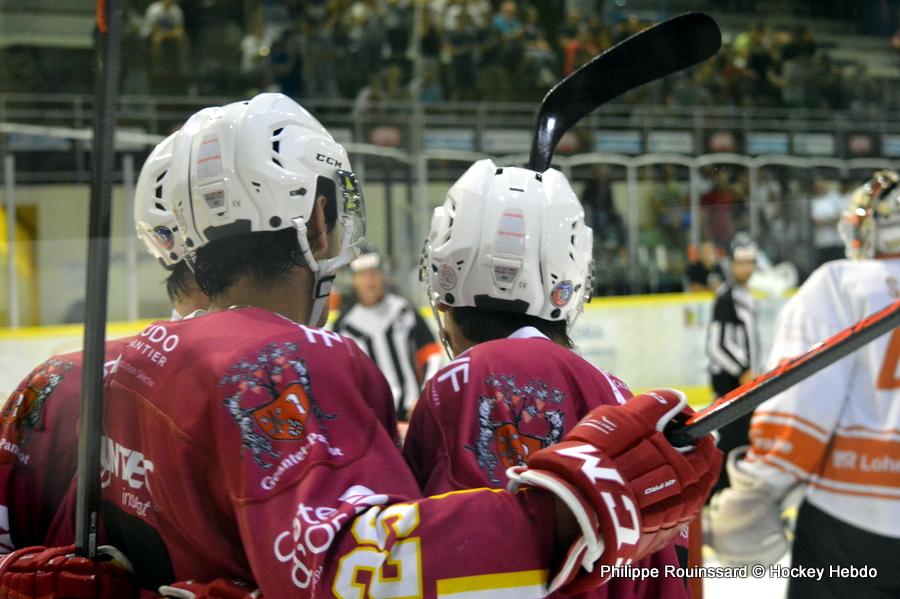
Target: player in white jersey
391	332
832	441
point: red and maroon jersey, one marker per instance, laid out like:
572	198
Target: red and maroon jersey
39	449
240	444
499	402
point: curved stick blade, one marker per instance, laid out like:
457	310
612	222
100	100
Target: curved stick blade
665	48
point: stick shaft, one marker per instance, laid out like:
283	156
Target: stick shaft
746	398
102	155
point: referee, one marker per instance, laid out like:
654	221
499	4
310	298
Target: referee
732	343
390	331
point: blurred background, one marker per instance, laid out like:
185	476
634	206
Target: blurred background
801	104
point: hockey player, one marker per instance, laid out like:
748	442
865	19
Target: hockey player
833	439
508	266
38	423
263	448
732	341
390	331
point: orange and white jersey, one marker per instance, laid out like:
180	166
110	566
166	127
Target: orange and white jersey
837	432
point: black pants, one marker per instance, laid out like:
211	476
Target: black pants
823	541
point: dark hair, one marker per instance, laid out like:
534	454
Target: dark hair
266	256
483	324
180	281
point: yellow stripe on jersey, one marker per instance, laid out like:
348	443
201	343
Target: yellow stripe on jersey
530	583
465	491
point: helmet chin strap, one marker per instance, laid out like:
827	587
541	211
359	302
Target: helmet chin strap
321	292
442	332
322	282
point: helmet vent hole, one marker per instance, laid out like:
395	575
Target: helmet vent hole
448	297
277	162
539	176
499	171
159	206
276	146
256	186
275	222
298	192
555	313
158	193
572	240
571	256
278	131
160	176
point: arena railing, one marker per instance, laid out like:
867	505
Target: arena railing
401	188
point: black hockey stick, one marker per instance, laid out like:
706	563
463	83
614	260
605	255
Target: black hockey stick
108	41
744	399
661	50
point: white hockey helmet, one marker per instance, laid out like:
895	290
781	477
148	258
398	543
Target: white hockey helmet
160	179
260	165
154	221
510	239
871	224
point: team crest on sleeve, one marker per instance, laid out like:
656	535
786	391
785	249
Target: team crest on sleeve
514	422
25	408
270	399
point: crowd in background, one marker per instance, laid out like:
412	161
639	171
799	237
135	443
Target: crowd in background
471	50
504	50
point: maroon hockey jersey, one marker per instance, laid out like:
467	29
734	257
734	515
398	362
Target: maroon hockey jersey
241	444
39	451
502	400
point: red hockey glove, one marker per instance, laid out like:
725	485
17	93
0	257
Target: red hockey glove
616	469
40	572
217	589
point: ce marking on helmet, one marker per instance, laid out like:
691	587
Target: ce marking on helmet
235	203
522	284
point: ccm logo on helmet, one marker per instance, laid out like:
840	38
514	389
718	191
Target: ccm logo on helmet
328	160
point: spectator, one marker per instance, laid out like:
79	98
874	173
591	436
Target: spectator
579	50
704	272
367	40
510	31
540	60
319	57
461	54
164	26
287	62
430	44
398	19
256	47
826	206
717	209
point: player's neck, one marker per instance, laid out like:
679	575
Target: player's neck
289	296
